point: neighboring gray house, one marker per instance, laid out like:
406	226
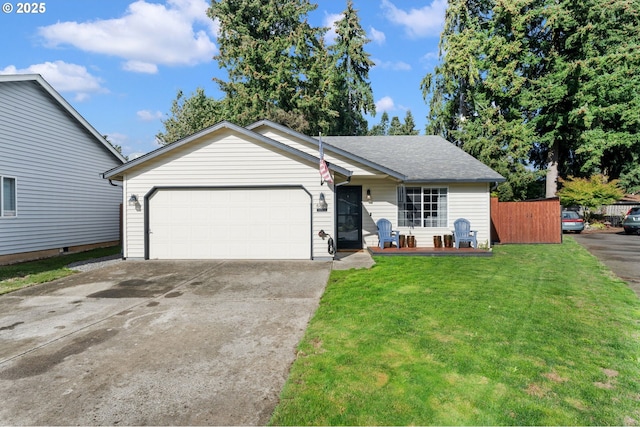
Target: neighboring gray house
52	196
256	193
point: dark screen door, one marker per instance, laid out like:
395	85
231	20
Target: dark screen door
349	217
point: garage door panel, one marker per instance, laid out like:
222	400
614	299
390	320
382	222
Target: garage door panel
230	224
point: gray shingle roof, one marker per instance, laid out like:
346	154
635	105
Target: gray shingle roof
419	158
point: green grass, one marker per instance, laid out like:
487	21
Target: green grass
535	335
17	276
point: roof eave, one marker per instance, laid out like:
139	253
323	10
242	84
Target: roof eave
456	180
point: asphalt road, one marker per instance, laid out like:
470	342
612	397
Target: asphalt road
618	251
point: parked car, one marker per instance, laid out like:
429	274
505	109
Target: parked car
571	221
631	221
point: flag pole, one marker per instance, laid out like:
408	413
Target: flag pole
321	155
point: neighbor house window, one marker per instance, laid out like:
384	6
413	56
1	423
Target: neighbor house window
422	206
7	196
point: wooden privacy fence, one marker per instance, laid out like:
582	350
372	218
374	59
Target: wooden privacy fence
532	221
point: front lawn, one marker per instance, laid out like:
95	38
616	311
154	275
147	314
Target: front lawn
535	335
16	276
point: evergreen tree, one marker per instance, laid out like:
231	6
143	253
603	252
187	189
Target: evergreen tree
409	126
475	91
189	115
352	64
603	63
587	94
395	128
277	66
381	128
544	83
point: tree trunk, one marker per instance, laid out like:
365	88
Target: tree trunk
552	171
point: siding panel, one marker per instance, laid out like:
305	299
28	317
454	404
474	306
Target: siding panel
304	146
62	200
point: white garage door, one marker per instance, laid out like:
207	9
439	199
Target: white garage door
257	223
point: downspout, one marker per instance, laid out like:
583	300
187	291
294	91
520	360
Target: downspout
102	175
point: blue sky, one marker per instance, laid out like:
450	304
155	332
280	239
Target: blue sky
120	63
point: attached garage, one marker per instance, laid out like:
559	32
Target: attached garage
272	222
226	192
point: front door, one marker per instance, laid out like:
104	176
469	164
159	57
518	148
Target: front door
349	217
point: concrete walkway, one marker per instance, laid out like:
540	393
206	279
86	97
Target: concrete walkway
349	260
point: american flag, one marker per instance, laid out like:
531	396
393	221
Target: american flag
324	169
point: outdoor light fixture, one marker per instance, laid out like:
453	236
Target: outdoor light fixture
322	204
369	195
133	200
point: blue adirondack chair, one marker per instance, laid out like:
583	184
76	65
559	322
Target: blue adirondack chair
387	234
463	233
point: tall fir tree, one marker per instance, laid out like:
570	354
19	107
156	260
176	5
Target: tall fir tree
352	65
409	126
540	83
474	92
381	128
395	127
277	65
596	50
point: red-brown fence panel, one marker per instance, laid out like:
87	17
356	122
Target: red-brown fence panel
531	221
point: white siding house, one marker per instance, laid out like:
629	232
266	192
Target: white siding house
226	192
52	196
256	193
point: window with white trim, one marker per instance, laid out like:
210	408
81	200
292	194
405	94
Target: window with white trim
422	206
7	196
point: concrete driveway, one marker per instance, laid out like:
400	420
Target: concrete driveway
155	343
618	251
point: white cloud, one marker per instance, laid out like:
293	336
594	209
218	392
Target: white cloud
148	116
377	36
424	22
385	104
140	67
147	35
330	20
390	65
63	77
